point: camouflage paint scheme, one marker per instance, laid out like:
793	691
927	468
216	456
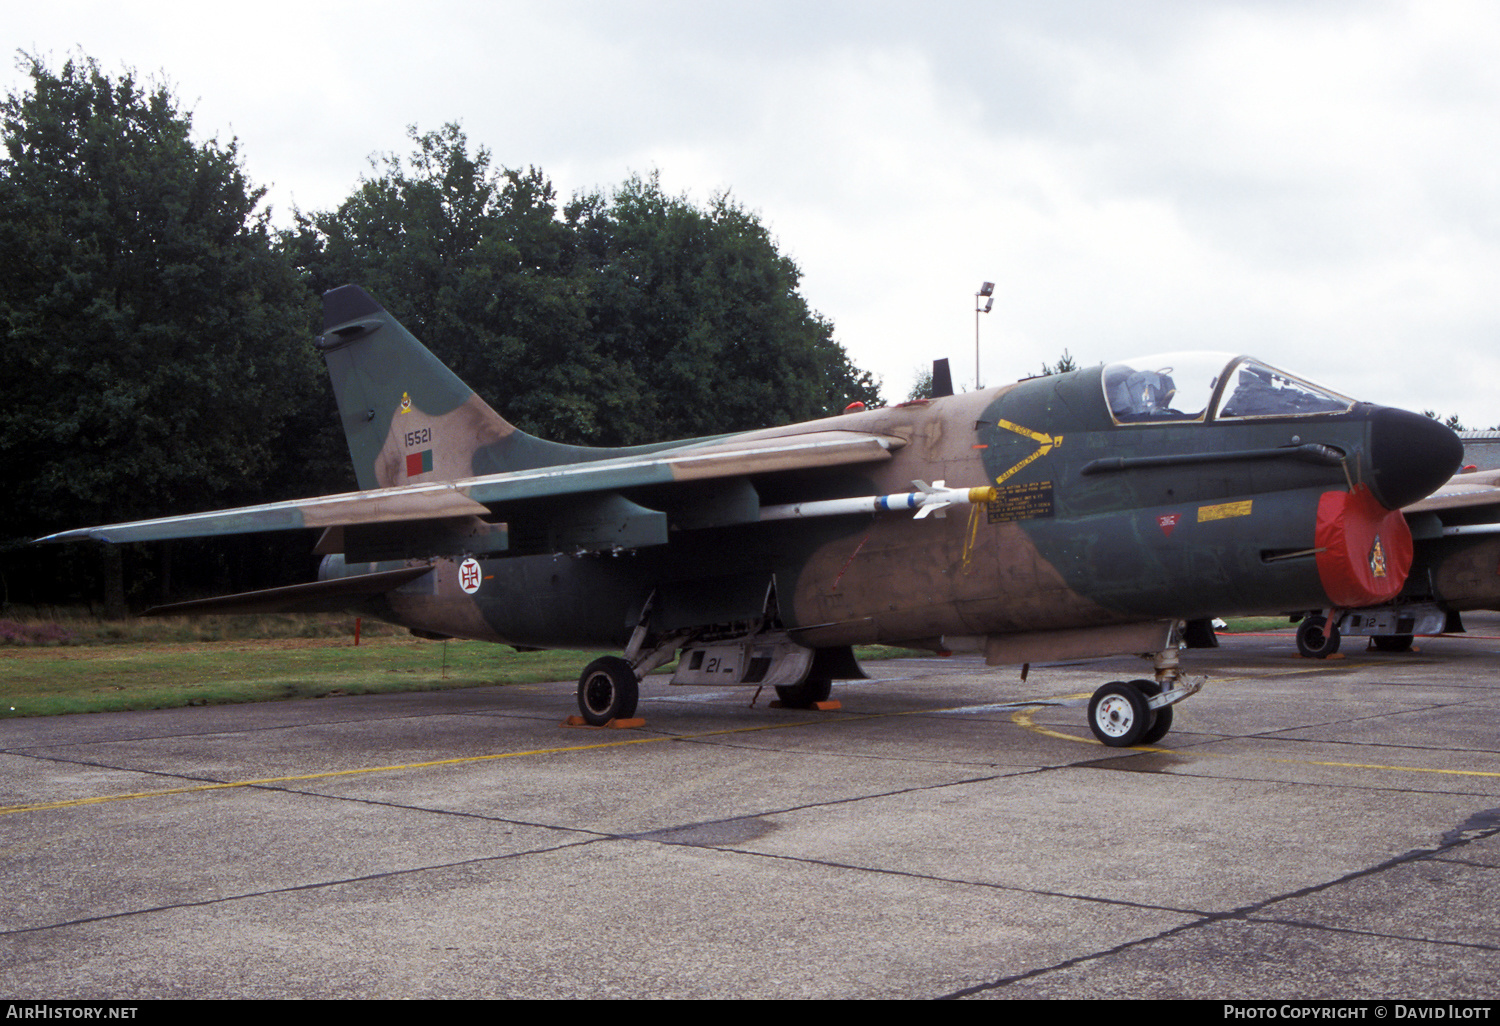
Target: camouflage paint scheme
1099	531
1458	574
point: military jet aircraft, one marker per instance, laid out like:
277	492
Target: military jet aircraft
1071	516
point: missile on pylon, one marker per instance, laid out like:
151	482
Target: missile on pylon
926	499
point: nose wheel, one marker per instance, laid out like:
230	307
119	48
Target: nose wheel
1121	716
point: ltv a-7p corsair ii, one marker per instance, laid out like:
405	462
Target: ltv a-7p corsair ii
1078	515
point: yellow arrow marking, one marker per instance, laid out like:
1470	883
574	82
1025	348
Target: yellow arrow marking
1046	443
1035	436
1040	452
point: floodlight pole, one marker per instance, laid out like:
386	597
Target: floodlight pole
986	292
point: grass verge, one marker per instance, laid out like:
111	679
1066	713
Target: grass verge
45	682
103	666
1256	624
75	663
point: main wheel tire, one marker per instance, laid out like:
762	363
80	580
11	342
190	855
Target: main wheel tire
1119	715
1315	639
607	690
804	695
1161	723
1392	642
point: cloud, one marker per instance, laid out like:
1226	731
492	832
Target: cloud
1311	182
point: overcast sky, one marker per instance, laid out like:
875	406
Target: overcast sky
1315	183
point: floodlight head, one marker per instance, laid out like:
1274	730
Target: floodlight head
988	288
987	304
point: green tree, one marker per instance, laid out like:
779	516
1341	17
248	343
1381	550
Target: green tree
626	317
707	312
1452	422
1065	363
921	384
154	339
475	262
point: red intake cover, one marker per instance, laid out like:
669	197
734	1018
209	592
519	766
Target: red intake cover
1364	549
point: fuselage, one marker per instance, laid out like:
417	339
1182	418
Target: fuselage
1134	492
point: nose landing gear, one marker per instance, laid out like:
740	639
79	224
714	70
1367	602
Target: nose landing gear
1123	715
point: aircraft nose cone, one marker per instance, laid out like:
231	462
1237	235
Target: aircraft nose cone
1410	456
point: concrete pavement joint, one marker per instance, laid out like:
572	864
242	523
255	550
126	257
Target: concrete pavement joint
1246	913
1326	928
293	888
272	728
210	784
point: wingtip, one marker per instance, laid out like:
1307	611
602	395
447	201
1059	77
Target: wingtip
65	536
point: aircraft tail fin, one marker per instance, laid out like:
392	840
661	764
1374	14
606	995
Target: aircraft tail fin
407	417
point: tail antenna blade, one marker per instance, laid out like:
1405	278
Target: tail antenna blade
942	379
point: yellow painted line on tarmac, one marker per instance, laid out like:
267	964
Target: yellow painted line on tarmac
1022	718
71	803
327	775
1379	766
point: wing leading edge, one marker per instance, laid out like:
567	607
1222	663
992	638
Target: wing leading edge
1463	491
511	492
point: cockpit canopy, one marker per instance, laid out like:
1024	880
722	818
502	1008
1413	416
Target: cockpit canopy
1198	386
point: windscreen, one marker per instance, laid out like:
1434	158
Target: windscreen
1256	390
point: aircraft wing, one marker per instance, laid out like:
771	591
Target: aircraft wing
586	493
1469	504
1462	492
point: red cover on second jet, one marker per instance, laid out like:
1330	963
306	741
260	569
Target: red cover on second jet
1364	549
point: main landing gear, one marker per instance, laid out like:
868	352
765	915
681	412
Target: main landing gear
1139	712
608	690
1390	628
1316	638
805	695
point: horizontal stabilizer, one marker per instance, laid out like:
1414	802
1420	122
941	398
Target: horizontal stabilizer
319	597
